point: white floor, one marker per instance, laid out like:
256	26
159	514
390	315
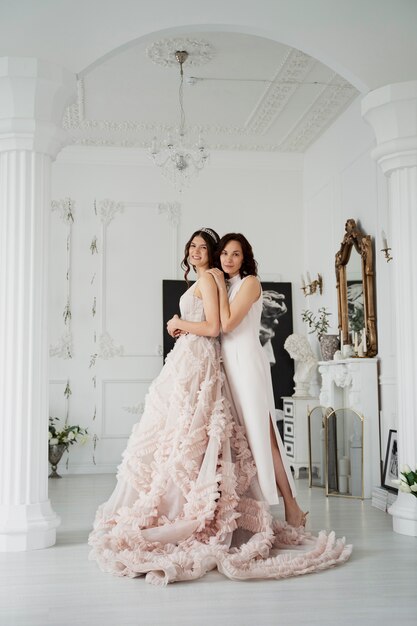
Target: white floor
60	587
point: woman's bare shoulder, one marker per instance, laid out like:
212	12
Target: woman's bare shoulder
251	283
207	279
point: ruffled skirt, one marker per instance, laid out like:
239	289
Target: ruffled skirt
187	498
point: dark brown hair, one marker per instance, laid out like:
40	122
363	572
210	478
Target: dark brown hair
249	265
211	238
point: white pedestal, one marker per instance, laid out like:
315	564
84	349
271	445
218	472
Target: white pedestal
296	430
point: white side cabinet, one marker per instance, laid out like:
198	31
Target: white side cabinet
296	430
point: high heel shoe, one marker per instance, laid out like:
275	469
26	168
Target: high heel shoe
300	521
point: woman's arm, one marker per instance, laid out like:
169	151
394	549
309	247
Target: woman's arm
232	313
211	326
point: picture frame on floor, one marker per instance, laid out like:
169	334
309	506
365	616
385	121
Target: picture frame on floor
390	472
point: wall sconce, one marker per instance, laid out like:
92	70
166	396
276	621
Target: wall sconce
311	286
386	250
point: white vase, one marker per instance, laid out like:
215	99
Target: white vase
404	514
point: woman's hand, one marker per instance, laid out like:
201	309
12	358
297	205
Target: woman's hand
172	327
218	277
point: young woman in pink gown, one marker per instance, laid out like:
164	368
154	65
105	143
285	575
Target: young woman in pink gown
187	498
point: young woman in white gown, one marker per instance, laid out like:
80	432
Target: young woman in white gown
248	371
187	498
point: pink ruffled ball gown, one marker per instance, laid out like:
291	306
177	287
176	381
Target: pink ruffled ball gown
187	498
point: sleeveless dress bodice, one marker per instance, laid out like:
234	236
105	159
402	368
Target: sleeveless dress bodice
191	307
246	335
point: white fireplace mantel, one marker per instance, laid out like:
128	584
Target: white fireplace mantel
353	383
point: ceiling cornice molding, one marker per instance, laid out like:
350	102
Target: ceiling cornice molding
332	99
294	68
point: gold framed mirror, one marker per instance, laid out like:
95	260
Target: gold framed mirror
355	287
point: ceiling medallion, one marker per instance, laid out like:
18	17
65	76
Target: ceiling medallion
163	52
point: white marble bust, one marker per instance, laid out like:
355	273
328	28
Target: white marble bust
299	349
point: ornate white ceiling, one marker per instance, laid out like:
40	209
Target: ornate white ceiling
248	93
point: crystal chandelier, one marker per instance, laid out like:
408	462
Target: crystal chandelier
178	161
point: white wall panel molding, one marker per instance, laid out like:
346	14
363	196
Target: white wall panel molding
117	418
130	242
89	468
172	210
64	209
107	210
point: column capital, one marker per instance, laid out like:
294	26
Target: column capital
392	113
33	97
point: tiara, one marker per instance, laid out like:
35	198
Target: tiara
211	233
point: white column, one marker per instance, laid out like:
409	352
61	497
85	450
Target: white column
33	96
392	113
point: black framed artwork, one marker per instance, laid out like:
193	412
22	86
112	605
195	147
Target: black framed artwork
390	472
276	325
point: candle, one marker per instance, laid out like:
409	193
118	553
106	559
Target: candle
343	467
365	349
341	340
384	241
347	459
343	484
356	341
303	282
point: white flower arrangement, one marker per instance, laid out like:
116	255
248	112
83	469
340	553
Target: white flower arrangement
408	481
67	435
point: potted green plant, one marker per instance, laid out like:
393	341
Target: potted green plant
320	324
60	440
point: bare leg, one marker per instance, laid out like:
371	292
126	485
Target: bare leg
293	514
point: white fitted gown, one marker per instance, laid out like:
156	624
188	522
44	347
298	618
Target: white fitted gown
249	377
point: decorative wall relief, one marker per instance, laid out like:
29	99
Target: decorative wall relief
172	210
102	346
94	250
136	409
106	210
63	348
108	349
116	254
